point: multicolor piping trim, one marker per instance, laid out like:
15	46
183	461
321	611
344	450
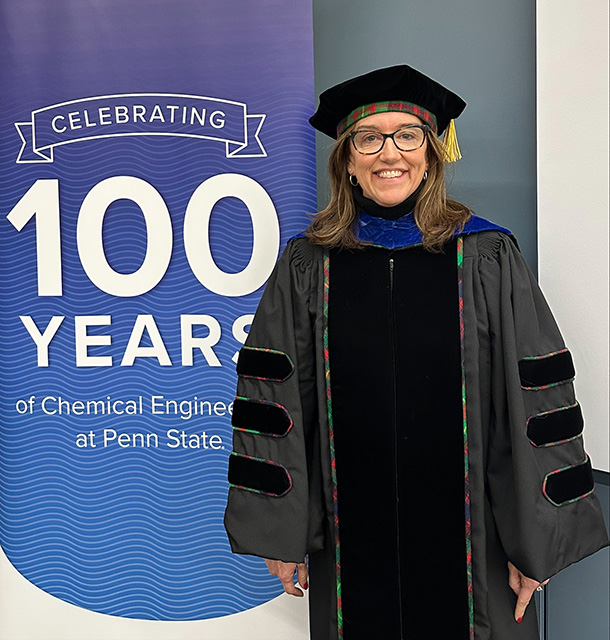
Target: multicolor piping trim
467	514
548	386
262	433
282	353
546	355
264	493
547	413
570	466
383	107
331	435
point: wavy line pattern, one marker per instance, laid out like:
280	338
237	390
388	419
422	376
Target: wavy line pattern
133	531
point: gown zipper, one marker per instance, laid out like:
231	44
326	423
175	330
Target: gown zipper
395	427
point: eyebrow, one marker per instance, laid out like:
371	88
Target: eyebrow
373	127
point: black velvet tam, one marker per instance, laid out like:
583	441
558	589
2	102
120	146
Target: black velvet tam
260	476
399	84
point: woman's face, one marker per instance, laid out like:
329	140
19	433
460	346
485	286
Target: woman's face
390	176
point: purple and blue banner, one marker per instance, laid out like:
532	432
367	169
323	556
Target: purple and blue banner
155	158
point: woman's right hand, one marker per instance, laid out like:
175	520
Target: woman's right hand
285	572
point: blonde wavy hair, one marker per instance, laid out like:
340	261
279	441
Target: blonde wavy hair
437	216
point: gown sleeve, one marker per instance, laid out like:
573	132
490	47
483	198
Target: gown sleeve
539	476
268	512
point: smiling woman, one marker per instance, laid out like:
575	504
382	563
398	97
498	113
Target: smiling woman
408	324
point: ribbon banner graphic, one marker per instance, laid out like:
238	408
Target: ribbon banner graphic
141	114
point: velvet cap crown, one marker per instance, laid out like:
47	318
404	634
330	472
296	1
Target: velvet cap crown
400	85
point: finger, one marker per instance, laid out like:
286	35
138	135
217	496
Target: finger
286	572
525	595
514	579
283	570
291	589
302	575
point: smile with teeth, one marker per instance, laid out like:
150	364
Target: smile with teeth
396	173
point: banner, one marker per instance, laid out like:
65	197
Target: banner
154	160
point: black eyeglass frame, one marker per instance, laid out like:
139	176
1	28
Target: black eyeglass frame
424	127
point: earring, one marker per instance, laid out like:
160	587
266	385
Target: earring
353	180
425	175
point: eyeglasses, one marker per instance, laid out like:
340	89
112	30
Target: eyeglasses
407	138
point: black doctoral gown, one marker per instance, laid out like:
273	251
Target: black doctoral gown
408	420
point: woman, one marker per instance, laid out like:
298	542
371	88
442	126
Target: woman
405	412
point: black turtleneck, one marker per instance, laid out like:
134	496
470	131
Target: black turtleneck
388	213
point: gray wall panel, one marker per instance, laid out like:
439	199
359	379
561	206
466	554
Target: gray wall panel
579	597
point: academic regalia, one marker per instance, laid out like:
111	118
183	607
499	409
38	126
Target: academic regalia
408	420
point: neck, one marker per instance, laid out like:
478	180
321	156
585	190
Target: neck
388	213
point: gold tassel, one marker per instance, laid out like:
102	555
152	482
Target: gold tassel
450	144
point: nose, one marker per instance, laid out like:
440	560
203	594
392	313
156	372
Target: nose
389	152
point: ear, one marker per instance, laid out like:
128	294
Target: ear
350	166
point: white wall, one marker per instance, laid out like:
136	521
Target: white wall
572	104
